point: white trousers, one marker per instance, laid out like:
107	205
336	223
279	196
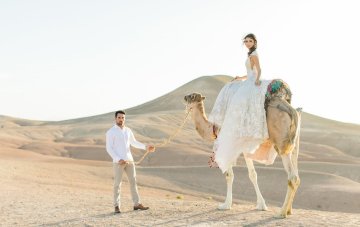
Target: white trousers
129	169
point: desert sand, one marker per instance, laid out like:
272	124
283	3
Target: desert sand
58	192
59	174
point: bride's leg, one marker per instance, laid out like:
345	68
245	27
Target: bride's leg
260	204
229	174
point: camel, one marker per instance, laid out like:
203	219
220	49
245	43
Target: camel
283	123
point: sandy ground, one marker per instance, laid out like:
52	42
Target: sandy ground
60	192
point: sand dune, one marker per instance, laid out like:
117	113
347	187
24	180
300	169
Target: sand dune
42	163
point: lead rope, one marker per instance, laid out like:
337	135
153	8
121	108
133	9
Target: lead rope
168	140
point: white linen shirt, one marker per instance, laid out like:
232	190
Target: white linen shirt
118	143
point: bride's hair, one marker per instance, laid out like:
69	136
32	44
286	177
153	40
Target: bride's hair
253	37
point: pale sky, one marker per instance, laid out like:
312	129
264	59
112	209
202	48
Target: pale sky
65	59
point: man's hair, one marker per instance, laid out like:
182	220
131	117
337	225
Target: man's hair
119	112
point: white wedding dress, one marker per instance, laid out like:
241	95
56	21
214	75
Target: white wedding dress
239	111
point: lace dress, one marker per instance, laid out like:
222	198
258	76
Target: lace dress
239	111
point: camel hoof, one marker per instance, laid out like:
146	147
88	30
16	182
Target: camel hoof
261	206
224	206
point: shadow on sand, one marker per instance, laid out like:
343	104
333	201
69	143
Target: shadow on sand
68	221
203	218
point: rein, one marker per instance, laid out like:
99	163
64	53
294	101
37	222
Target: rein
168	140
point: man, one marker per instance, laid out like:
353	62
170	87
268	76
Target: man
118	141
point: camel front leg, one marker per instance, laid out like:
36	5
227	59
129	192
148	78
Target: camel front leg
229	183
260	202
293	184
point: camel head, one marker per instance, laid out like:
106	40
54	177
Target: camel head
195	104
193	99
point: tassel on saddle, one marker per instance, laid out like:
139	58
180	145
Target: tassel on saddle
277	89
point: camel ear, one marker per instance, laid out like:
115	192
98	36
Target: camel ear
202	97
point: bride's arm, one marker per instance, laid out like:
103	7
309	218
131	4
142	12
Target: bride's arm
240	78
255	63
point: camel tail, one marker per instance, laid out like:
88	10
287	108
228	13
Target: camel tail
295	152
295	125
297	131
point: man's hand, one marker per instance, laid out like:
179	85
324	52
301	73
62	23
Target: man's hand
150	148
123	162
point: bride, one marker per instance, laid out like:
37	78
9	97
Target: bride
239	111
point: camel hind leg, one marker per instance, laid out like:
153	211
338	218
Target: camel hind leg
284	131
289	158
294	161
293	184
260	202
